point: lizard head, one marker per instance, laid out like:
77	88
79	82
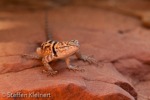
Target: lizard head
74	43
66	48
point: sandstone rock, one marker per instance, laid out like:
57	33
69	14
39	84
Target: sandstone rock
69	84
98	32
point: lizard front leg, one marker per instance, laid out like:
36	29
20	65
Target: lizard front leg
86	58
48	70
28	56
70	67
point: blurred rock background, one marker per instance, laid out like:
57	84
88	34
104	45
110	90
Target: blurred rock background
116	32
17	5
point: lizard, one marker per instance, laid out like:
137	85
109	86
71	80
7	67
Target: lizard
52	50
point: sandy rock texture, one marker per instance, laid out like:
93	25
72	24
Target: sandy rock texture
116	40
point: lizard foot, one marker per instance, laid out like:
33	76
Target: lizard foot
75	68
49	72
89	59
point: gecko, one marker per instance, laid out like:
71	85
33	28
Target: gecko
52	50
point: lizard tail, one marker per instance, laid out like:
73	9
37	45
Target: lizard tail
48	33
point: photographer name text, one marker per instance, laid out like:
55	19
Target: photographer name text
24	95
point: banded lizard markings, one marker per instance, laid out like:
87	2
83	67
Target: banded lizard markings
52	50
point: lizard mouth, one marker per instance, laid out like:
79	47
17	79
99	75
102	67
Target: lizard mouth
77	44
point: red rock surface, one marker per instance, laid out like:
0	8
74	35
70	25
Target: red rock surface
119	41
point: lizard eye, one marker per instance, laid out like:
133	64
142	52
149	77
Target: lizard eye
76	41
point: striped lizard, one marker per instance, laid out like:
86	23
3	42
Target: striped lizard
52	50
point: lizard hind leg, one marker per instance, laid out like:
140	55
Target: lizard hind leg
70	67
28	56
